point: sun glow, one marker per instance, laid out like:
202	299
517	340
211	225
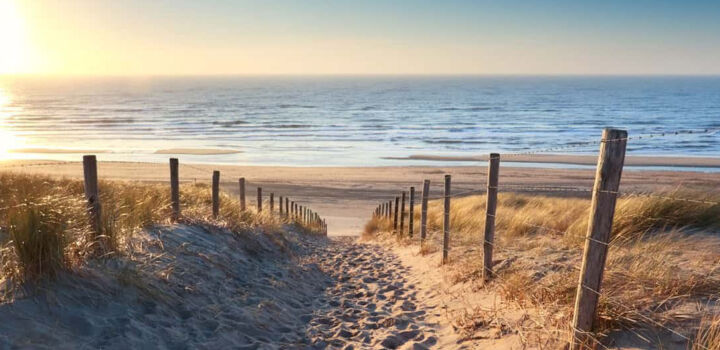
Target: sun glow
8	140
13	39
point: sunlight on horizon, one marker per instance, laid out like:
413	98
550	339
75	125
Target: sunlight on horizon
8	140
13	39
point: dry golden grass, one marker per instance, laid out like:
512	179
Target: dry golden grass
664	256
708	337
44	227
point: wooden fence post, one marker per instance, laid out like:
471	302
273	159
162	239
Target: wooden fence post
280	205
259	199
423	210
602	210
91	192
446	221
272	202
241	181
395	220
216	194
174	189
402	215
411	220
389	209
490	210
287	209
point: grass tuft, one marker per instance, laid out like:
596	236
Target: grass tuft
44	226
664	256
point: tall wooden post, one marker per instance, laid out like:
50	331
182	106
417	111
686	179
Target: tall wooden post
395	219
411	219
91	192
216	194
402	215
259	199
280	206
287	209
490	209
446	221
272	202
602	210
423	210
241	182
174	189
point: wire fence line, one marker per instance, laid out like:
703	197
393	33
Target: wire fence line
598	241
581	144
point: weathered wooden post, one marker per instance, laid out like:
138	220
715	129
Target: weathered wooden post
272	202
241	181
280	205
174	189
91	192
402	215
216	194
490	209
423	210
446	221
287	209
259	199
395	219
411	219
602	210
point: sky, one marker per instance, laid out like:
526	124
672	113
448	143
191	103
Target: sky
284	37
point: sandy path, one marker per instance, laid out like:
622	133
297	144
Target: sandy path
372	305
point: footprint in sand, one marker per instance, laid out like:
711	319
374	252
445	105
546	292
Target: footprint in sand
370	306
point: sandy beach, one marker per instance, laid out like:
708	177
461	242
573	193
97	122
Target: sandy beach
347	195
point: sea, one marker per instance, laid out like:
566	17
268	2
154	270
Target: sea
351	120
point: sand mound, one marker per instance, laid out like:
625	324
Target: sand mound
194	287
182	287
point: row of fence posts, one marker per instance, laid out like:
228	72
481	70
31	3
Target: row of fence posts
291	210
604	196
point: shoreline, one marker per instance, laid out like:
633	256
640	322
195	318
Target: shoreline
569	159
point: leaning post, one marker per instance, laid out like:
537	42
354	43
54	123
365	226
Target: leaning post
423	211
395	220
174	189
602	210
241	182
402	215
259	199
490	210
411	208
216	194
91	192
446	221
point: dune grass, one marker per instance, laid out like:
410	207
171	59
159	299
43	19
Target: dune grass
664	256
44	226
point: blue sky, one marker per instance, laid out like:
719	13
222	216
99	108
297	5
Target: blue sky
368	37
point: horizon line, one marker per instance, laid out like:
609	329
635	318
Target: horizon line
259	75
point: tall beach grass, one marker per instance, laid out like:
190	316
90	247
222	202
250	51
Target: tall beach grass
45	228
664	256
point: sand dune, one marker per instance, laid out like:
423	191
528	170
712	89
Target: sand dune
201	287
